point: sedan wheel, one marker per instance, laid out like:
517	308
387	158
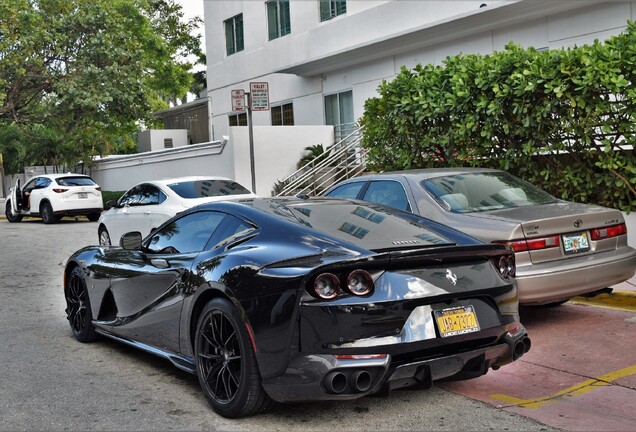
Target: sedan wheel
46	211
8	212
78	307
226	364
104	237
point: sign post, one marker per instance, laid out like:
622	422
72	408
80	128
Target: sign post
257	100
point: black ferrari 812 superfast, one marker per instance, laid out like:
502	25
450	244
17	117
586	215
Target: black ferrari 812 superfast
290	299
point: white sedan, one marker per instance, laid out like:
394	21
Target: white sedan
149	204
53	196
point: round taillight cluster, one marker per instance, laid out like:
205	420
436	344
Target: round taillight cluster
358	282
506	266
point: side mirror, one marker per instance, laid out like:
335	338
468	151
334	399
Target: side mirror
111	203
131	240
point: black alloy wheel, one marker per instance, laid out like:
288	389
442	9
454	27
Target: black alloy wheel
78	307
8	212
226	363
46	211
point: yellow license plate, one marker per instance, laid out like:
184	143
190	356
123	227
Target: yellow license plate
456	321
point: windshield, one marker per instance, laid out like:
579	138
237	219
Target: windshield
487	191
207	188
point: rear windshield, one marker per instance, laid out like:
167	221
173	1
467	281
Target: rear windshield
374	227
487	191
75	181
207	188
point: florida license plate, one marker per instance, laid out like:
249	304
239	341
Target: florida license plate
456	321
575	243
82	195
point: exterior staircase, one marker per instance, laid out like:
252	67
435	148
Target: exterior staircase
343	160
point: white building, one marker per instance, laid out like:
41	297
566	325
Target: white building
324	58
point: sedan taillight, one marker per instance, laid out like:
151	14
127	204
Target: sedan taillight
607	232
532	244
59	190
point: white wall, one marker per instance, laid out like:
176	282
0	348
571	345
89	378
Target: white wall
277	149
119	173
154	139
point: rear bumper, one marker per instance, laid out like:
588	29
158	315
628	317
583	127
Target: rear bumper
77	206
311	377
546	283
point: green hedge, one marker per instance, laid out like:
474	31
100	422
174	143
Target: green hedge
111	195
561	119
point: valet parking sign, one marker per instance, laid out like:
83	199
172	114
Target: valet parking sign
259	95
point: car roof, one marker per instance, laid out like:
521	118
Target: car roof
434	172
56	176
171	180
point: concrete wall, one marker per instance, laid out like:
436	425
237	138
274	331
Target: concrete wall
277	149
154	139
119	173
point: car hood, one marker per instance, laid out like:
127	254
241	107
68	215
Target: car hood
558	217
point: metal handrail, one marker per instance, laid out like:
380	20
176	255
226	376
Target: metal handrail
307	180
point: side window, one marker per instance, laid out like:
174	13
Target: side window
231	229
349	190
30	185
162	197
149	195
387	192
42	182
132	197
185	235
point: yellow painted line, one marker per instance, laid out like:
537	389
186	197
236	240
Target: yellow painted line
575	390
618	299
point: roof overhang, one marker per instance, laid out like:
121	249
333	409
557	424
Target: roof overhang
499	15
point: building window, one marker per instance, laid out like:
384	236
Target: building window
332	8
238	119
234	34
283	115
278	18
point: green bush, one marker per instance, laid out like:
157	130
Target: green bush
111	195
561	119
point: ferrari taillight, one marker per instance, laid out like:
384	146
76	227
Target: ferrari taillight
506	266
328	285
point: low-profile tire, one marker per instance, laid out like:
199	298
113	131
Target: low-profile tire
93	217
78	307
103	237
46	211
226	364
8	212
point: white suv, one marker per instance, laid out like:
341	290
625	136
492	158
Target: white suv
53	196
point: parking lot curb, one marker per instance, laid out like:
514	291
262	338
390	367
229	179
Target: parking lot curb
617	299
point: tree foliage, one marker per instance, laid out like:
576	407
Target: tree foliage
562	119
78	76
